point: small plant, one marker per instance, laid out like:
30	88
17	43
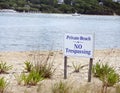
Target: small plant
32	78
45	70
106	74
28	66
96	69
77	67
112	78
61	87
4	67
28	79
109	80
3	85
44	66
100	69
19	78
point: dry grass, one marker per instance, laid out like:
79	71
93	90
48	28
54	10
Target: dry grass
43	64
117	88
68	86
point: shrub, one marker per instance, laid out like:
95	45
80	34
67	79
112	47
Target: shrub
77	67
4	67
19	78
112	78
99	69
28	66
31	79
45	70
109	80
106	74
61	87
96	69
44	66
3	85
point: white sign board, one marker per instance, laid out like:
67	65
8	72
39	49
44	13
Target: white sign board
79	45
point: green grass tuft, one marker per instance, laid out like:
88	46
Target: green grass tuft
61	87
28	66
4	67
3	85
106	74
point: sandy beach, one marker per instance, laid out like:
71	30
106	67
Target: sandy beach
17	59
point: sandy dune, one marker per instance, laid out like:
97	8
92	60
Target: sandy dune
17	59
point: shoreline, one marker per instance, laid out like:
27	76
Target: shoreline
106	49
33	12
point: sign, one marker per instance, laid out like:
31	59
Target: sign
79	45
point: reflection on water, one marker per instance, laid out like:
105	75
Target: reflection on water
20	31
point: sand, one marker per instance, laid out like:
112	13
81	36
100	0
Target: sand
17	59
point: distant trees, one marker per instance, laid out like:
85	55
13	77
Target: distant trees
68	1
70	6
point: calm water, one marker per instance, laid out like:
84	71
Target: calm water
19	31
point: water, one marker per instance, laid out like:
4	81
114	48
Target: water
21	31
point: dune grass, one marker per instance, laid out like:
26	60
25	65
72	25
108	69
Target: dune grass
28	66
3	85
4	67
44	64
106	74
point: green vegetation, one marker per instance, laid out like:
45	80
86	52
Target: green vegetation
3	85
39	69
28	79
77	67
28	66
19	78
68	87
4	67
106	74
43	64
107	7
61	87
44	69
32	78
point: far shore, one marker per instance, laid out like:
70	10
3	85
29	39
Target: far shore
39	12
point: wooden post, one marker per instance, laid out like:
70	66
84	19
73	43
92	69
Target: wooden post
65	67
90	69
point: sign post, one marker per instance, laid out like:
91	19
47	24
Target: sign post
65	67
81	45
90	69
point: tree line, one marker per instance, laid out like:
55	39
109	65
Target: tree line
97	7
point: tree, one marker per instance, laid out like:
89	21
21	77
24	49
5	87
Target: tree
68	2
